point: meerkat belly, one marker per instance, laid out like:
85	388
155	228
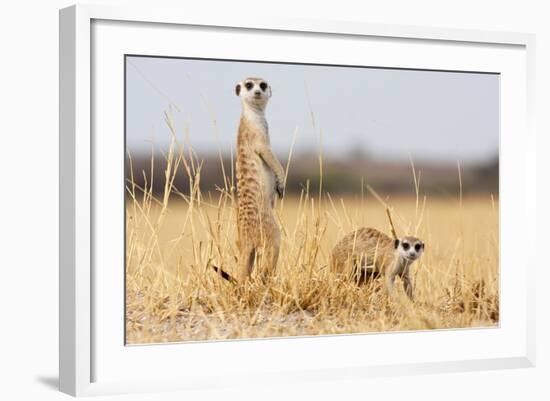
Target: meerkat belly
268	182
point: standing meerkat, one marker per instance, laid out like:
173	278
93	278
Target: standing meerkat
260	177
368	252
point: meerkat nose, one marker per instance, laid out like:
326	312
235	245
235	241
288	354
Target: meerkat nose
257	93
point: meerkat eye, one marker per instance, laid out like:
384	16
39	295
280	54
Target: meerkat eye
418	247
263	86
248	85
406	246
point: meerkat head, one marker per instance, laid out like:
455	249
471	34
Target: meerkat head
254	91
409	248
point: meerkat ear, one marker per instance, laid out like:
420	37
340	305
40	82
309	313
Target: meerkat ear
269	93
396	243
238	89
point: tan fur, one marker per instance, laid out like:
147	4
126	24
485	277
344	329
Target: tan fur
365	247
367	252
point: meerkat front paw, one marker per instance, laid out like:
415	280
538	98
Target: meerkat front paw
279	188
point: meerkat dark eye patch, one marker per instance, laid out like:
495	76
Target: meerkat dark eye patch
406	246
263	86
418	247
249	85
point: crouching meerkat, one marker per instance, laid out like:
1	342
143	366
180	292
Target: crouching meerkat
367	252
260	177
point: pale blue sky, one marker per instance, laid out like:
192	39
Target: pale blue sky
432	116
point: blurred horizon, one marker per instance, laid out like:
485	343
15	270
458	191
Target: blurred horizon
340	176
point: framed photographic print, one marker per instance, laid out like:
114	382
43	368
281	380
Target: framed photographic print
278	200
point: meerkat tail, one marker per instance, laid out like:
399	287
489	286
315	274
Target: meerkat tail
224	275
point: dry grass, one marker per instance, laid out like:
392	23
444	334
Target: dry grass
174	295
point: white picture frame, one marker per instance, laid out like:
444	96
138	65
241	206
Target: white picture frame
95	361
